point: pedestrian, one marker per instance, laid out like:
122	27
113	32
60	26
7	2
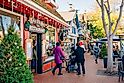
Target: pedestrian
72	48
123	62
59	56
91	49
81	44
79	52
34	56
96	52
115	53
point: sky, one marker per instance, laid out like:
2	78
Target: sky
81	5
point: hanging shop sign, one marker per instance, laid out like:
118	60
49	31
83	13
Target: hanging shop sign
35	29
36	25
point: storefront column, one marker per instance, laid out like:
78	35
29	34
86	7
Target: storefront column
56	36
39	53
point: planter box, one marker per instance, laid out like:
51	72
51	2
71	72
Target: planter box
105	62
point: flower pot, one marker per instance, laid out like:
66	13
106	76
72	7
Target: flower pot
105	62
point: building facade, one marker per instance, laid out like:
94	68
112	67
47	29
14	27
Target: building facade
38	23
70	18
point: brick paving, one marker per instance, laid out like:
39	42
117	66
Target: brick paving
90	77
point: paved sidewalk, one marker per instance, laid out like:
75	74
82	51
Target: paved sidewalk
90	77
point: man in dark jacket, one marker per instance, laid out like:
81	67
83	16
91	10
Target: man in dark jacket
123	62
79	52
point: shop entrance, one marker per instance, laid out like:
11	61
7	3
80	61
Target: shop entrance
36	63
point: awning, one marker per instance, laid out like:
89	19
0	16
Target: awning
115	38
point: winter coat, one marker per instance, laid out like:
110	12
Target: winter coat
96	50
123	62
79	52
57	54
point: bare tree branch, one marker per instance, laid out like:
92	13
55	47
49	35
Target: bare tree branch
120	14
106	8
98	3
103	17
109	17
108	4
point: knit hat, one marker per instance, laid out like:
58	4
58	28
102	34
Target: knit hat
81	43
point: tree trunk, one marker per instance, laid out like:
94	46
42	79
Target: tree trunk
110	56
102	4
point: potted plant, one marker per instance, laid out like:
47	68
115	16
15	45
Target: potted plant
104	55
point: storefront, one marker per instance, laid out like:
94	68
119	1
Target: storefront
37	28
42	38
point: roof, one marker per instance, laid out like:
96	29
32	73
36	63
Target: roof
68	16
53	11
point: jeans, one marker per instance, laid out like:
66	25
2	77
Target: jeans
96	56
83	68
58	66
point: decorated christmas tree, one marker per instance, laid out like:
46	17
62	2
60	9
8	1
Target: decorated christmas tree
13	67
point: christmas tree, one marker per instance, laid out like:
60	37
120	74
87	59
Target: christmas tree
13	67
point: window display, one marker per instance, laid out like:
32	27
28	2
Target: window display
1	28
7	20
50	41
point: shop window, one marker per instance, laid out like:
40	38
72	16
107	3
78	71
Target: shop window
50	41
6	22
1	30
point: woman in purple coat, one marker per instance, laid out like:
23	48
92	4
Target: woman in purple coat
58	54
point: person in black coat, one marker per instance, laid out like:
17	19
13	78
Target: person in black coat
115	53
123	62
79	52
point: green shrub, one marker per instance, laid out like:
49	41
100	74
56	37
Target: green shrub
104	50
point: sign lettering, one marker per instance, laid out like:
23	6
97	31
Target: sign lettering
23	9
7	4
35	29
